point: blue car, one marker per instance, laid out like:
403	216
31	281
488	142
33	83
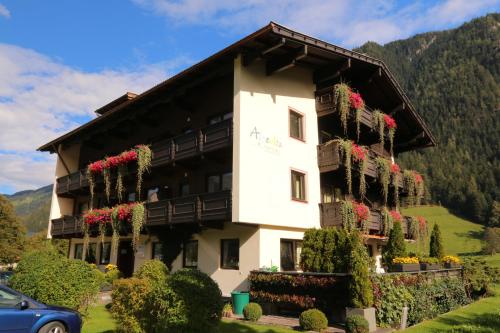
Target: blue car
21	314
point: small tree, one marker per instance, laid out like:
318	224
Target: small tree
11	233
436	243
360	287
395	245
492	241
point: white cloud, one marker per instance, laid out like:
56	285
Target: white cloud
347	22
41	99
4	11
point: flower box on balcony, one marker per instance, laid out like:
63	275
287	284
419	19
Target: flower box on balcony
405	267
429	267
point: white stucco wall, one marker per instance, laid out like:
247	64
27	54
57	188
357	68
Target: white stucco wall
63	206
270	243
263	152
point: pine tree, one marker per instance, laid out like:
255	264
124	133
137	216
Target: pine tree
360	287
11	233
395	245
436	244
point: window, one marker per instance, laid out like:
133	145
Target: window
91	256
213	183
78	251
220	117
105	253
190	257
290	254
184	189
220	182
153	194
8	299
298	186
157	251
230	253
296	125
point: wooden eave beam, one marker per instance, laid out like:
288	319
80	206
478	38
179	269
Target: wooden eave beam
253	55
279	64
398	108
330	72
377	73
412	141
60	158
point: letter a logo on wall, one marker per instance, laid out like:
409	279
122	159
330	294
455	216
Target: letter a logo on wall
270	144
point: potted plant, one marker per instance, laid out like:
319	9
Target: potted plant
451	262
405	264
429	263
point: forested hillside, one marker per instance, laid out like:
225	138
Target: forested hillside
452	77
32	207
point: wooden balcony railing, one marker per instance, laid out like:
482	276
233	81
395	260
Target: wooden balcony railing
330	216
182	147
330	159
197	208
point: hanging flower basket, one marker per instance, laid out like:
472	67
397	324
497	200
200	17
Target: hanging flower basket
381	122
362	214
345	100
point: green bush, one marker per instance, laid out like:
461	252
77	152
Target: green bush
472	329
112	275
313	320
53	279
323	250
356	324
196	302
252	312
395	245
360	287
153	270
479	277
436	243
128	304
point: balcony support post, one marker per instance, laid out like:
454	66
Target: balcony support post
60	157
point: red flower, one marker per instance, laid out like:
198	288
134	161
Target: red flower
356	101
125	212
112	162
96	167
358	152
128	156
418	177
422	223
361	211
389	122
97	216
396	216
395	168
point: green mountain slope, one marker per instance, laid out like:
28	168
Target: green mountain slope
453	79
33	207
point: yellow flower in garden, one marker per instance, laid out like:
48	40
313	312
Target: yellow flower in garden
405	260
110	267
451	259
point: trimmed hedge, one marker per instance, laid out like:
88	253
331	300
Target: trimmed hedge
301	291
252	312
313	320
53	279
426	298
356	324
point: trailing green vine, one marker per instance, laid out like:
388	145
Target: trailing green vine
413	184
360	156
144	157
379	124
358	114
138	217
120	189
384	174
115	226
346	150
395	174
387	220
106	173
348	215
341	92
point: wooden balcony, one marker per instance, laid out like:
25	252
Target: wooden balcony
330	216
330	159
180	148
200	208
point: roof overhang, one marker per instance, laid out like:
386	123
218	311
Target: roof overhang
283	48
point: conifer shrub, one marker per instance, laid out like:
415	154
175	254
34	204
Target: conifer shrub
436	243
395	245
313	320
360	287
252	312
356	324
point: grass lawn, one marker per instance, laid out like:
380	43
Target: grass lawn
460	237
100	321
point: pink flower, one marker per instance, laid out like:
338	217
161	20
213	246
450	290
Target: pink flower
418	177
389	122
395	168
422	223
96	167
361	211
356	101
358	152
396	216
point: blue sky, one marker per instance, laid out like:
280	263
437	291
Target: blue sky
60	60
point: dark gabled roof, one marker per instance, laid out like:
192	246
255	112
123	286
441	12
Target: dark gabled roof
264	43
